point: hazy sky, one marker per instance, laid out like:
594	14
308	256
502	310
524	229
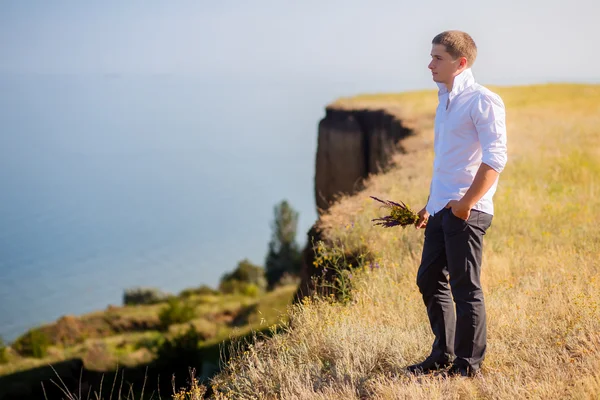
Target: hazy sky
519	41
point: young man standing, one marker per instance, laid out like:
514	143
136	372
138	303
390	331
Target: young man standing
470	152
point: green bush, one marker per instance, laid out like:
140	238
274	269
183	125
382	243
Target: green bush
182	349
150	343
34	343
238	287
250	289
230	286
3	352
245	273
176	312
140	295
201	290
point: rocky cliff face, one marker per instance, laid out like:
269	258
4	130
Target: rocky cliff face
352	144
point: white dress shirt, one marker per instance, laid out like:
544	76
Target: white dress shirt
470	131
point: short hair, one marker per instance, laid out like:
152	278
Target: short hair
458	44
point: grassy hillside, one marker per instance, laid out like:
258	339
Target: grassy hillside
131	336
541	271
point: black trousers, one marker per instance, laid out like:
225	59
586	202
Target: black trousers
452	254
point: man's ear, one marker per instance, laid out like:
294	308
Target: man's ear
463	62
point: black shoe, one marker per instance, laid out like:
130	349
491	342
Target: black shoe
430	364
461	371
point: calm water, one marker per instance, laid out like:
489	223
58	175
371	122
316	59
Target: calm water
112	182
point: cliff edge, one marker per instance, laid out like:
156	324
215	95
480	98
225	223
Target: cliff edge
351	145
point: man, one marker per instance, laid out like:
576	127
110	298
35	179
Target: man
470	153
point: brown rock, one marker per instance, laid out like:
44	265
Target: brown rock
351	145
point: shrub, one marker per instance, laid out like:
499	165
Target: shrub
140	295
231	286
250	289
201	290
182	348
176	312
337	263
33	344
238	287
245	272
3	352
247	279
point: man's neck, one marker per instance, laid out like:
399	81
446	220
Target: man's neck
449	85
457	83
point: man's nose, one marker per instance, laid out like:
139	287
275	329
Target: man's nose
430	66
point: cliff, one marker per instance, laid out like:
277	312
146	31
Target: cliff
351	145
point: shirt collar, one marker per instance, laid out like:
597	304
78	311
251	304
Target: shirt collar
461	82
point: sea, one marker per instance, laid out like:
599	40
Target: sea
113	181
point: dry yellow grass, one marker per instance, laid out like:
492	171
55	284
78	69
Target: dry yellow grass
541	272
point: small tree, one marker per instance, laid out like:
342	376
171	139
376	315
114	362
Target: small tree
284	254
245	272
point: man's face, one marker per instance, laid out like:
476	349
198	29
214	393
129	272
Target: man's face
443	67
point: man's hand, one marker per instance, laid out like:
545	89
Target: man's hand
423	217
484	180
459	208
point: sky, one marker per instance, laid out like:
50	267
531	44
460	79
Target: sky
280	41
327	48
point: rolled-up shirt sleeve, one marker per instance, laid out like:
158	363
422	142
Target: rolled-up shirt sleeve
489	117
